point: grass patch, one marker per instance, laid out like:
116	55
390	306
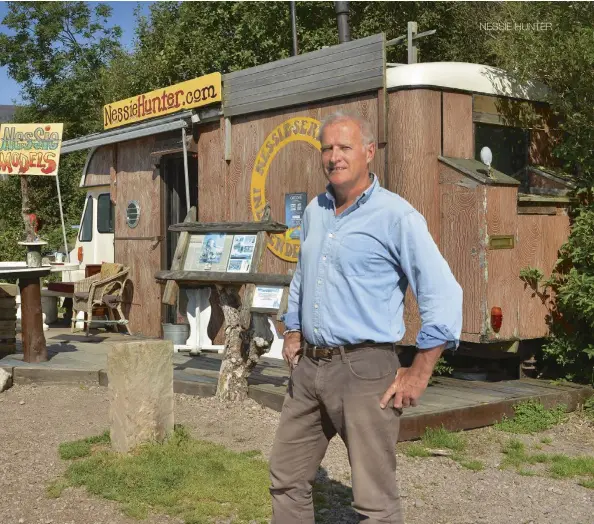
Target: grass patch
563	466
587	483
415	450
557	466
532	417
474	465
195	480
546	440
54	490
82	448
442	438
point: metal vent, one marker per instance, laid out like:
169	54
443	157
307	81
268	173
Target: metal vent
132	213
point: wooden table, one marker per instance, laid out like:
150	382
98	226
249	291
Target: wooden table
34	347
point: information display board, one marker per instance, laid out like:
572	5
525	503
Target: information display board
220	252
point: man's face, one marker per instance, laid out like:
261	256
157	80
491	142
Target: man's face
344	155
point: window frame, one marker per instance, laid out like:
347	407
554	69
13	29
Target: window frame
111	213
82	225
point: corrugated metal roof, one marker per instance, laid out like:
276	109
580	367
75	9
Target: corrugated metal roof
153	127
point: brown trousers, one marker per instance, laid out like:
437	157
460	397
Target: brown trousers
340	396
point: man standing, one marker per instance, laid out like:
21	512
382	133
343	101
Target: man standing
361	246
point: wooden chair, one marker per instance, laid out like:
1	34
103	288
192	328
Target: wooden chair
104	289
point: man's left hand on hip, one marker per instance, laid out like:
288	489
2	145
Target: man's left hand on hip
407	388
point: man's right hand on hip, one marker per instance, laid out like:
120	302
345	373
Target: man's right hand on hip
292	348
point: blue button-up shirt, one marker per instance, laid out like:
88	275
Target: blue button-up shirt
354	269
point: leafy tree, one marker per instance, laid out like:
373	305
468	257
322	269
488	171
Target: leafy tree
183	40
57	52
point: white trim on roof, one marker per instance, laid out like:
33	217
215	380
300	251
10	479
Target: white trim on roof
152	127
463	76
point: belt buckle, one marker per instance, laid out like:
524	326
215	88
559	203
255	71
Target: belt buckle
320	352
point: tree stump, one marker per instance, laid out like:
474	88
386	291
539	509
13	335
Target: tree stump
243	348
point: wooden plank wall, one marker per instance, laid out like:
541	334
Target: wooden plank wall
502	264
458	132
137	180
224	187
352	67
414	132
98	171
539	240
463	235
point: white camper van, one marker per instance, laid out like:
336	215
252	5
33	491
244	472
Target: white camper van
94	242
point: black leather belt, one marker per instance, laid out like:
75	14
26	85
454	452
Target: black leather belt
309	350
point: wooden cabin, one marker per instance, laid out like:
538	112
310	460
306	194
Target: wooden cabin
259	144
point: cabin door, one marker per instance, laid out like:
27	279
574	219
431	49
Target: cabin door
175	208
138	233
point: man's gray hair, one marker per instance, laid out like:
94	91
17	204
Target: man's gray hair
364	125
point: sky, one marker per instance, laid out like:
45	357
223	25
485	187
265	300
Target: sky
122	15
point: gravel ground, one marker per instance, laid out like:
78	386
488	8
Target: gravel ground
35	419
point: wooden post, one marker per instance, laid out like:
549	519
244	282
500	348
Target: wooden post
34	347
171	288
412	45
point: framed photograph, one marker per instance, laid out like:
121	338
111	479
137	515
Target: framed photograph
208	252
193	251
242	253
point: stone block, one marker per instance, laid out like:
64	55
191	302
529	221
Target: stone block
140	376
5	379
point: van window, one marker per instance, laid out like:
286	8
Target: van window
509	146
86	229
105	214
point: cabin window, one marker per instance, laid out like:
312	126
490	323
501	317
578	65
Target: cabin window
105	214
86	229
509	146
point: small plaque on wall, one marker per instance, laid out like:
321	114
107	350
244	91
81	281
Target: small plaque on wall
501	242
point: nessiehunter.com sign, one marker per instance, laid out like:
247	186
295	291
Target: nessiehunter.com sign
193	93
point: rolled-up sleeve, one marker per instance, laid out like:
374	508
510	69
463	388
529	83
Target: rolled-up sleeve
438	294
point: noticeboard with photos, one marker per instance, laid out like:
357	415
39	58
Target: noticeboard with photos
220	252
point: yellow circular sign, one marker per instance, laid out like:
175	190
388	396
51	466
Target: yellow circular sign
301	128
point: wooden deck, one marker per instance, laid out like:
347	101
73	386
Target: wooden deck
455	404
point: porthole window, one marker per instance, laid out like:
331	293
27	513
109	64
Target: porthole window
132	213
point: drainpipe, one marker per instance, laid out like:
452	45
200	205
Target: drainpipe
342	17
294	28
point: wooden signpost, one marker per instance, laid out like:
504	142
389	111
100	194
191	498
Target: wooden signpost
228	257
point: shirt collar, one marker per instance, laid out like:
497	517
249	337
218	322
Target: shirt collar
362	198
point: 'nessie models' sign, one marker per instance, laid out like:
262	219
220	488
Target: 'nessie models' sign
30	149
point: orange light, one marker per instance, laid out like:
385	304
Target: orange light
496	318
80	254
